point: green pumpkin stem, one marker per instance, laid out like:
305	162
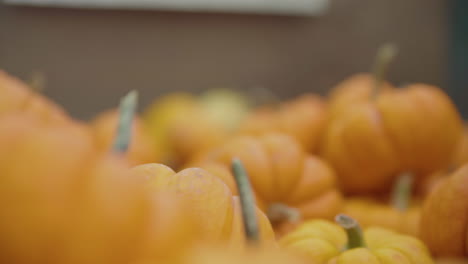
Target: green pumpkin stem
384	57
353	231
279	212
247	201
401	192
127	109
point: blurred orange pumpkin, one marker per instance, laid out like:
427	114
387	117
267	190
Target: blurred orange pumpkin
288	182
303	118
211	201
376	134
62	202
444	218
141	149
212	255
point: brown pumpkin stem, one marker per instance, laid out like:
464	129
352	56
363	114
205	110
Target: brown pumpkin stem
353	231
384	57
278	212
37	81
247	201
127	109
401	193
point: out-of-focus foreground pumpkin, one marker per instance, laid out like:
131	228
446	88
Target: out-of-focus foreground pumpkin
63	202
217	255
284	177
376	132
303	118
401	214
444	218
210	199
323	242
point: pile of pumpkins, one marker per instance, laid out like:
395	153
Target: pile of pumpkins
371	174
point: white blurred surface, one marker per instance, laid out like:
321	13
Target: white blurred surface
287	7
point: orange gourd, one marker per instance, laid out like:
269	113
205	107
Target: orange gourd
323	242
63	202
211	201
401	214
288	183
373	137
216	255
444	217
303	118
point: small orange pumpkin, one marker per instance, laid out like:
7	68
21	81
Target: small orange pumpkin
444	218
285	179
211	201
303	118
378	135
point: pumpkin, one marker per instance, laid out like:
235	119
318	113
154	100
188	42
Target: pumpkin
378	135
401	215
323	242
288	183
15	95
303	118
213	254
212	203
444	216
141	149
180	129
63	202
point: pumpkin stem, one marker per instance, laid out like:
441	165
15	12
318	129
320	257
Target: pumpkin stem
127	109
37	81
278	212
384	57
247	200
401	192
353	231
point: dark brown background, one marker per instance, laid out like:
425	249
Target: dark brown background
92	57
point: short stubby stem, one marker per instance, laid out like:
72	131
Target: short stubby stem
353	231
280	212
401	193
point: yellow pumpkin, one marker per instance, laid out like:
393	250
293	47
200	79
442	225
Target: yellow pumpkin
323	242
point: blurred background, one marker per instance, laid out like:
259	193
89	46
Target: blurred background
91	57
